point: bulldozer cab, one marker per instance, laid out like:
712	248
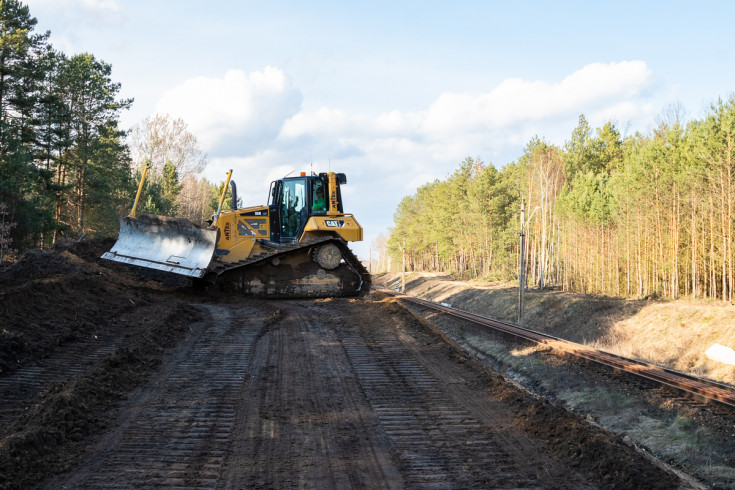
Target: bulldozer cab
293	200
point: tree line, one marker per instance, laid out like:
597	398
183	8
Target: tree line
67	169
645	215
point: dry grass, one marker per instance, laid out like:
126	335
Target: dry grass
675	334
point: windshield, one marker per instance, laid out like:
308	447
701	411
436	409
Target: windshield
293	212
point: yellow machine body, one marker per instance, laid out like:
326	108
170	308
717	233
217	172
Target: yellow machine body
240	231
343	225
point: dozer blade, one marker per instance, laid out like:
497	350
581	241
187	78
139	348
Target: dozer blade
169	244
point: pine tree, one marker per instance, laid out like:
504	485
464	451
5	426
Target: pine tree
23	186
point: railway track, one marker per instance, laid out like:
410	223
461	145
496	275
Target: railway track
697	388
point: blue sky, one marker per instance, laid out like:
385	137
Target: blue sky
396	94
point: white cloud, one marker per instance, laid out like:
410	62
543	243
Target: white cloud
622	112
512	110
399	151
242	115
516	101
324	122
235	115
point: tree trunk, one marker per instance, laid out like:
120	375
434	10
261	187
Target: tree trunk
694	247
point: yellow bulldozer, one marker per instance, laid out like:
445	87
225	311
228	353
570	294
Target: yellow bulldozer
293	247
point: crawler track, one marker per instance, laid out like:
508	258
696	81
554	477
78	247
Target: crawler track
698	388
288	271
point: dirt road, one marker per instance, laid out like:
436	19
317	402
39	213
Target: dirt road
335	394
111	379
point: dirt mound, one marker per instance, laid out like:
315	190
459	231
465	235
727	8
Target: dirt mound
93	330
63	295
49	435
64	258
89	250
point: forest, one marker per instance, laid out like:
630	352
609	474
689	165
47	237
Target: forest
645	215
641	215
67	169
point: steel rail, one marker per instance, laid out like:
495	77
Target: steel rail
699	388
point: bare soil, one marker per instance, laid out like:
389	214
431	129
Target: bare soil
116	377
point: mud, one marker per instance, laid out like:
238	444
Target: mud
111	377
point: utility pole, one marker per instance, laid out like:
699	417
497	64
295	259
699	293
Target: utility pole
522	266
403	276
522	262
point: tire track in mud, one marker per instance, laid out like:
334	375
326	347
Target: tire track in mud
437	441
437	437
175	432
446	423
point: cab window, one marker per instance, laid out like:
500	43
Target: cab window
293	207
318	197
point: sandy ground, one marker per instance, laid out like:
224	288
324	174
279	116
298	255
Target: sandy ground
113	378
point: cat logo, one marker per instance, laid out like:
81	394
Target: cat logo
334	223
